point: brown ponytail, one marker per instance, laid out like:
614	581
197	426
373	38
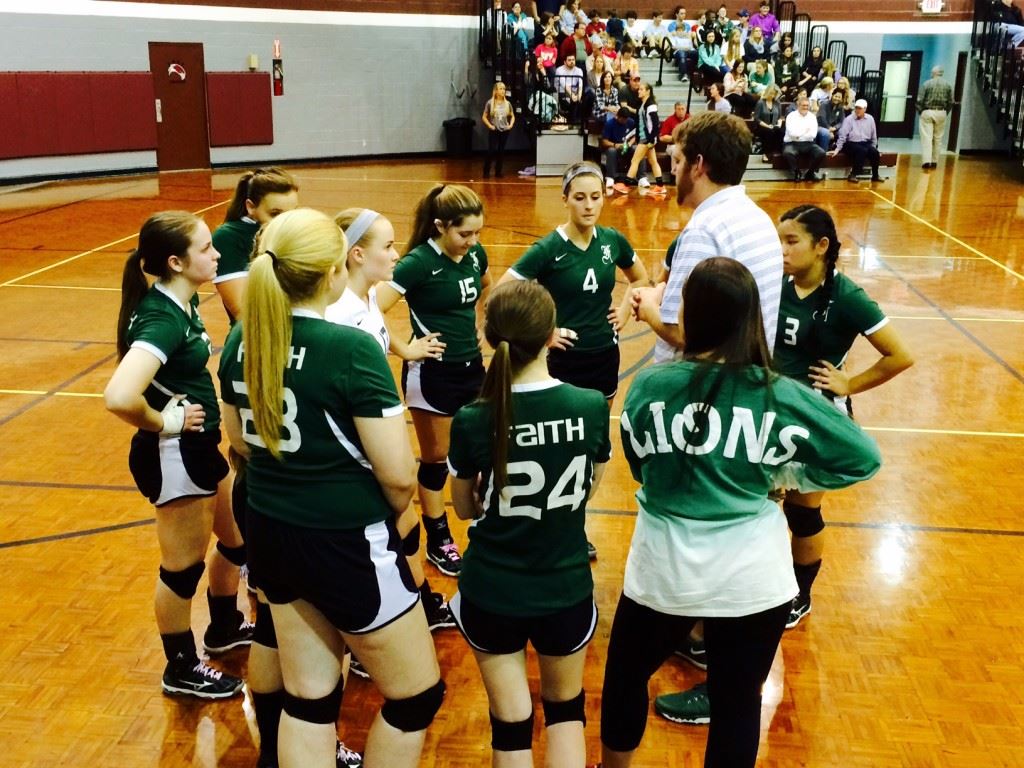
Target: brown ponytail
254	186
448	203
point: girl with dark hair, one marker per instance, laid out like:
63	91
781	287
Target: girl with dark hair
736	87
260	195
707	438
648	126
162	388
709	59
313	405
444	279
811	73
525	459
821	314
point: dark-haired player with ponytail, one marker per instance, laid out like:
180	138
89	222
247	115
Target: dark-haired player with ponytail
444	279
822	312
524	459
259	196
163	389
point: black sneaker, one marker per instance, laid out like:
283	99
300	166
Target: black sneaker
445	557
357	669
439	615
800	608
591	550
201	681
221	640
348	758
694	652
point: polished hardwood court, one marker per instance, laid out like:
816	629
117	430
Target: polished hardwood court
912	657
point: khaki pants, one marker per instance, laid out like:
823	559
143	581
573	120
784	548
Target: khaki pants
933	127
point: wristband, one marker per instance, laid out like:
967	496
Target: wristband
174	417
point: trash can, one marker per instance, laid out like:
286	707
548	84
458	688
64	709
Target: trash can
458	134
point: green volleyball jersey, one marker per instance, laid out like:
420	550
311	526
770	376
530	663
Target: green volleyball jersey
527	554
233	241
720	466
442	296
323	479
850	312
580	282
175	334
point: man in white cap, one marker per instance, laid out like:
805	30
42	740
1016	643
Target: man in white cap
935	101
858	138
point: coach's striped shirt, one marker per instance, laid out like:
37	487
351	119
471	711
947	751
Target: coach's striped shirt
729	224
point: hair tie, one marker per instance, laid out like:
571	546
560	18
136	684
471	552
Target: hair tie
273	256
580	170
355	231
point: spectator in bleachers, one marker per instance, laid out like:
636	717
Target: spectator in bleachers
541	99
629	96
768	122
626	66
767	22
668	125
547	54
569	87
830	116
800	141
761	78
679	35
828	69
595	28
520	23
724	23
858	138
655	36
606	96
618	139
733	51
716	99
708	23
1010	19
849	95
634	30
577	44
615	28
742	23
755	48
787	73
679	22
597	67
823	93
780	43
811	72
709	59
737	90
570	16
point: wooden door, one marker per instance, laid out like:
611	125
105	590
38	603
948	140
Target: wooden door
179	87
901	78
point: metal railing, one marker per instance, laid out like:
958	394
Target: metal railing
1000	68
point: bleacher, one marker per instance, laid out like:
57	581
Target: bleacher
1000	70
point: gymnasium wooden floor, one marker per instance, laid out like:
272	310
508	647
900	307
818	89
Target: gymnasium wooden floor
913	656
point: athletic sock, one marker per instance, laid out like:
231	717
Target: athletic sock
180	648
438	532
268	708
805	576
223	610
425	591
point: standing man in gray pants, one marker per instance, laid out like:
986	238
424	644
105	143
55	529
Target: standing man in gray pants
935	101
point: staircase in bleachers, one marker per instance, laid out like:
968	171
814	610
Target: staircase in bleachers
1000	70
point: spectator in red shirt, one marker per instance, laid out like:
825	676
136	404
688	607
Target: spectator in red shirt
577	45
679	114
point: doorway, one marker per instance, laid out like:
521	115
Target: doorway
179	86
901	78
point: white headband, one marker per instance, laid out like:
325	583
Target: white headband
581	170
355	231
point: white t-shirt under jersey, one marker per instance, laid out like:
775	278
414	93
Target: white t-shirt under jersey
352	311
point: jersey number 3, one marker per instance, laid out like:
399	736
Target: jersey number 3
789	334
291	440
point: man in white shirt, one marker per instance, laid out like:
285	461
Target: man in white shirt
569	84
801	132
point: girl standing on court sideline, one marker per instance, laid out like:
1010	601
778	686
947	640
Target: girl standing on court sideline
498	117
330	467
821	313
526	576
162	388
444	279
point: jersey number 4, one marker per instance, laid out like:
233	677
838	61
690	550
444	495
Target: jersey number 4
291	439
590	281
568	490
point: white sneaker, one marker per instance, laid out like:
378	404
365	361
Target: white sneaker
609	183
644	182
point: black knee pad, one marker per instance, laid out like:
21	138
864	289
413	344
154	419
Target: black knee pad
565	711
416	712
411	541
511	737
264	633
432	476
183	583
234	555
803	521
319	711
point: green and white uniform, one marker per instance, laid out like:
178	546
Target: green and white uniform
850	313
323	479
527	554
708	541
580	281
442	296
176	336
233	241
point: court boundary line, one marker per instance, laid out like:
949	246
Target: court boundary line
949	236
